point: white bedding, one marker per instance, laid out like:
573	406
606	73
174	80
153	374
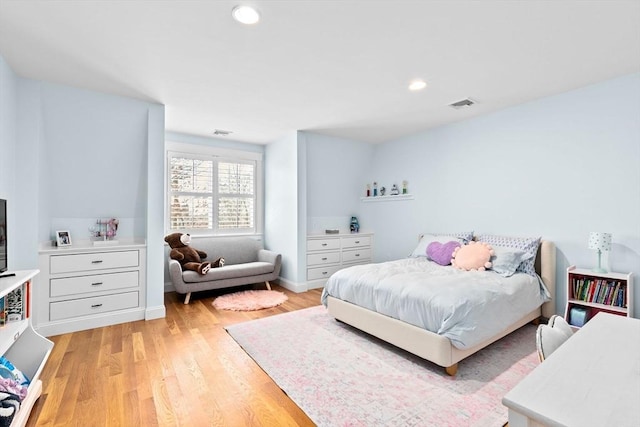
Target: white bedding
467	307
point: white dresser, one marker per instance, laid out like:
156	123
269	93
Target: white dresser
84	287
328	253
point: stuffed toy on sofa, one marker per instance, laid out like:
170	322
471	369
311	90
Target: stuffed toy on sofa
188	257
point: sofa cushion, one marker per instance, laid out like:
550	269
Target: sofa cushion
234	250
229	272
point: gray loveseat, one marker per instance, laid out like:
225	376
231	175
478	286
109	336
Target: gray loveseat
246	262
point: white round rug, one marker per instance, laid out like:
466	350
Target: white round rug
249	300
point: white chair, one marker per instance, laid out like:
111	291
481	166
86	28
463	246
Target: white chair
551	336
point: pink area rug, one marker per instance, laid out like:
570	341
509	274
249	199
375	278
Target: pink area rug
249	300
340	376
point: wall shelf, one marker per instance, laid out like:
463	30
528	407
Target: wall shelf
387	198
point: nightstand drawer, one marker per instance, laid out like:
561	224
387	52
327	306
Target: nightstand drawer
323	258
322	272
356	241
93	261
91	306
323	244
358	255
93	283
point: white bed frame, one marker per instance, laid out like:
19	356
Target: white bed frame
434	347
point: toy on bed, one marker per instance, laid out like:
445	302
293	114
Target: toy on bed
474	256
188	257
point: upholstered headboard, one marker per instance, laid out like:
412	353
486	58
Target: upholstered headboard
546	268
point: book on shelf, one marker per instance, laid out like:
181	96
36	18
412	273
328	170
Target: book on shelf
14	305
600	291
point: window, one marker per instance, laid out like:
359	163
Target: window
212	194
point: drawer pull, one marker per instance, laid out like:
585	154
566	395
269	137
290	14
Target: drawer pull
98	261
324	244
357	254
96	305
324	272
324	259
357	241
96	284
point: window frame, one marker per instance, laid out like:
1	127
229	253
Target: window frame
176	149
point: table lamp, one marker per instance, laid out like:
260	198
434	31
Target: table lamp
600	242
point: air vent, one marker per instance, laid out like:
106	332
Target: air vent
462	104
221	132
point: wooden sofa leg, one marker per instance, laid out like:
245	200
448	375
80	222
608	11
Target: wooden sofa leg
451	370
268	284
187	298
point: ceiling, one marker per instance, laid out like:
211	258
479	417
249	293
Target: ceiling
338	68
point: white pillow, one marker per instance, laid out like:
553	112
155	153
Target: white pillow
507	260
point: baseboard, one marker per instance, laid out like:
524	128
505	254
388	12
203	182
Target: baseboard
292	286
83	323
157	312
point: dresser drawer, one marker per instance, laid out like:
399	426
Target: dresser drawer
322	272
93	283
323	258
91	306
356	256
323	244
356	241
93	261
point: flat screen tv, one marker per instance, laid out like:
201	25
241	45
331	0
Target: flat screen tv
3	235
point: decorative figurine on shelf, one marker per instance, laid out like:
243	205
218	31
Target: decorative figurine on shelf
375	189
404	187
368	190
382	191
105	229
355	226
394	190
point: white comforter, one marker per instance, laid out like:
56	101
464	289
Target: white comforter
467	307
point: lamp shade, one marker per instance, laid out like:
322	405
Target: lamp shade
600	241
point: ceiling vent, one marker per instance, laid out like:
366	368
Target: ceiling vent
220	132
462	104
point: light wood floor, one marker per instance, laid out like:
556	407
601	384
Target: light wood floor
181	370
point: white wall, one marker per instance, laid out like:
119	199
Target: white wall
70	156
96	155
558	167
282	220
336	172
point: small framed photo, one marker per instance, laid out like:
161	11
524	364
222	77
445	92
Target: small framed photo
63	238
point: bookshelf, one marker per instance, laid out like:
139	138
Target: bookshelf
589	293
19	342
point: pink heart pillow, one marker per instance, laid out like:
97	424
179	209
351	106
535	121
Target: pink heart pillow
441	253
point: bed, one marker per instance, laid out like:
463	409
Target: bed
446	346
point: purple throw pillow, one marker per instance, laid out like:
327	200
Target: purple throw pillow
441	252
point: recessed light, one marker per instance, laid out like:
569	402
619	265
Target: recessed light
245	15
417	85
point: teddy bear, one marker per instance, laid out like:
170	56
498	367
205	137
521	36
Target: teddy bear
188	257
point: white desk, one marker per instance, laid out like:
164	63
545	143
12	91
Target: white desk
593	379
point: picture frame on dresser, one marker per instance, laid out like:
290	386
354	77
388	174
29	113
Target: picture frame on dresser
63	238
